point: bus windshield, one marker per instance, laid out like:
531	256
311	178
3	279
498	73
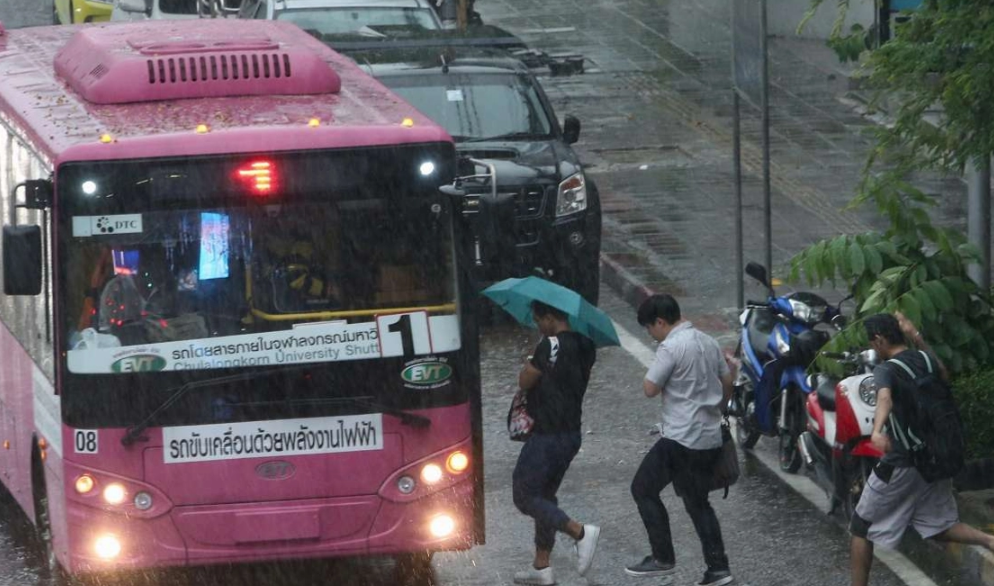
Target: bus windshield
176	278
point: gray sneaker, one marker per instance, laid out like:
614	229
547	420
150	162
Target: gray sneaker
650	567
716	578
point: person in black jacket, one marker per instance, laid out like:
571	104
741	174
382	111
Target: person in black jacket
555	379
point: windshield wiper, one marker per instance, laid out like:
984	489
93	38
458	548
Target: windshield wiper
508	136
134	432
368	401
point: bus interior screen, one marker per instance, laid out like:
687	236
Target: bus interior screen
213	246
125	262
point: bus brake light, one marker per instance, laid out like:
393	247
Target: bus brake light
259	175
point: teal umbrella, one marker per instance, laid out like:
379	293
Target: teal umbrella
515	296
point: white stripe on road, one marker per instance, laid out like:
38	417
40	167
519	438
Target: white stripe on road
904	568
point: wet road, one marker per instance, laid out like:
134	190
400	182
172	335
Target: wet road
773	536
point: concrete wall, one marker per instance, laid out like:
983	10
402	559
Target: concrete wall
783	16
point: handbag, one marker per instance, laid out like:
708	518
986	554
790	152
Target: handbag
519	422
726	468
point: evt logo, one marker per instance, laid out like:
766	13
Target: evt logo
431	373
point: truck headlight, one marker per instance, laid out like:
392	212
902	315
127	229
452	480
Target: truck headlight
572	197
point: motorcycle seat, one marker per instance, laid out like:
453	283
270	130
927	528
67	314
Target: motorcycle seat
826	395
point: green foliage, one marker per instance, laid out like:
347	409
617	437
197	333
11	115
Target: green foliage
975	399
901	271
942	56
849	46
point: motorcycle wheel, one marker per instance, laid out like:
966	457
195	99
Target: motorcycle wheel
790	433
745	432
856	475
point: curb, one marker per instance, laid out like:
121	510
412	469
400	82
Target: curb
623	282
974	561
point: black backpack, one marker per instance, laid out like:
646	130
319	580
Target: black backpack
933	434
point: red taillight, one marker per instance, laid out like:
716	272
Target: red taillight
260	176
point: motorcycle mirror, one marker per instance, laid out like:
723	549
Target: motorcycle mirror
758	272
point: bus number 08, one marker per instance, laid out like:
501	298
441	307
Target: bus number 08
85	441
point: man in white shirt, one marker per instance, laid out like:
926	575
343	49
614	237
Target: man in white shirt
692	377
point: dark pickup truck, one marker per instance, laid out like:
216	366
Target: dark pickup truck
534	211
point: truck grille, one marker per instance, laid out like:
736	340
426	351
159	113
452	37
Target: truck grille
529	202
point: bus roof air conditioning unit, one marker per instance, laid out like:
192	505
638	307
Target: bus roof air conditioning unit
161	60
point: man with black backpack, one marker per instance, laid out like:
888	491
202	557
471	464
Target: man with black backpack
918	429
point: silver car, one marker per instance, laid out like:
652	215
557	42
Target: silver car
346	17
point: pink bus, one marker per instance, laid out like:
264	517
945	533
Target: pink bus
232	312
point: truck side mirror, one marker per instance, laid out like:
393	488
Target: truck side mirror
21	260
571	129
134	6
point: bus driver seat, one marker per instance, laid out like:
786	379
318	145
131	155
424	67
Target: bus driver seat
121	308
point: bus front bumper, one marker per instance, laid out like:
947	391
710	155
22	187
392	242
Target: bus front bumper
258	532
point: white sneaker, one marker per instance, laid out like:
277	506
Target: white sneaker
586	547
535	577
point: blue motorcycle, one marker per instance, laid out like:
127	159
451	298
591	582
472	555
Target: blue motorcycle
778	342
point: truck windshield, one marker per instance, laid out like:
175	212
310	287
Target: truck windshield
475	106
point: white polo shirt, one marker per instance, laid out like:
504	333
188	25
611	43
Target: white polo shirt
688	367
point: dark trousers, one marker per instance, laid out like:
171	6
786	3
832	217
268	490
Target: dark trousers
541	466
668	462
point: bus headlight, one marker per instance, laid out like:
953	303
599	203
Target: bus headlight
442	526
143	501
457	463
406	484
107	547
114	494
431	473
572	196
85	483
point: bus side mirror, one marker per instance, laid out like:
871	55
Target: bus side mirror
21	260
571	129
38	194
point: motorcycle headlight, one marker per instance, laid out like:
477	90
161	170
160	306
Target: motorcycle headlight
572	197
783	342
805	313
868	391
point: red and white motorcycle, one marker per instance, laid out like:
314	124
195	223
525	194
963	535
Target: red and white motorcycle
836	445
